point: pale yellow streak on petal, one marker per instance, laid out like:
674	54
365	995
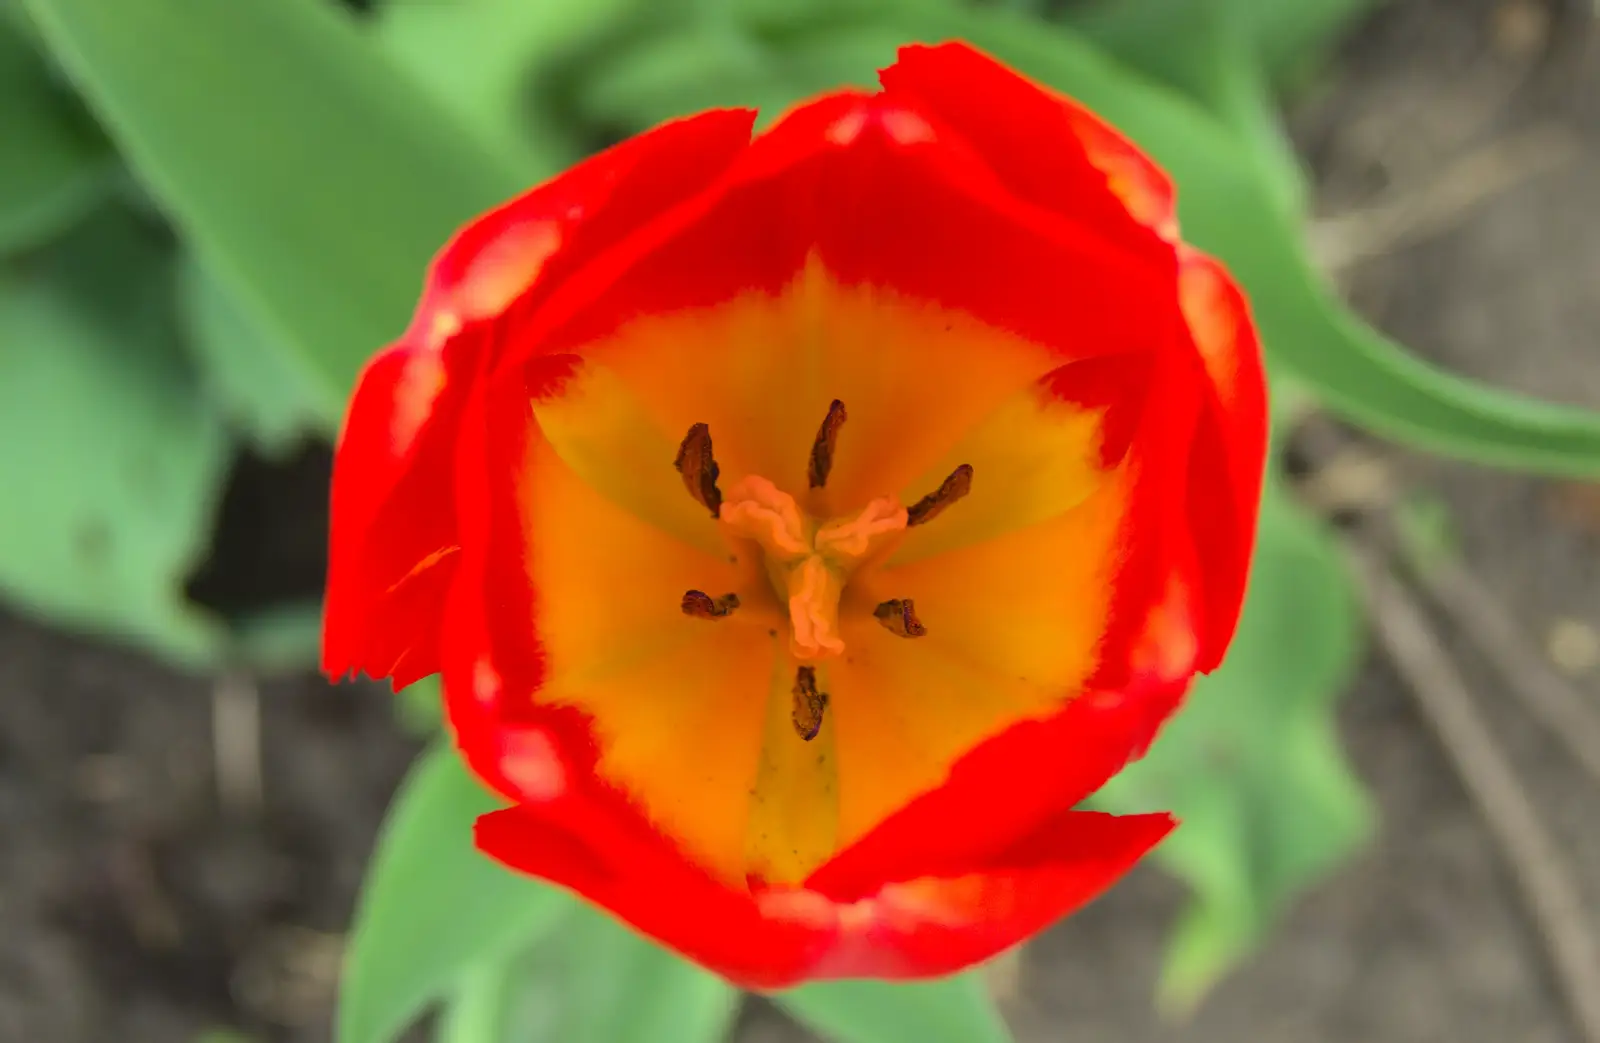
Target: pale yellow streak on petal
604	432
1034	457
794	805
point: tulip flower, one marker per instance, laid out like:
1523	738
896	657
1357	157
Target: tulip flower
805	525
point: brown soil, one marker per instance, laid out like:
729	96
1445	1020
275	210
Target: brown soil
134	908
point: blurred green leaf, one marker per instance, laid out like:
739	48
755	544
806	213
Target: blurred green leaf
595	981
710	66
950	1010
314	177
1280	41
281	640
54	166
1207	50
114	464
432	908
420	706
222	1036
477	1009
1251	766
263	385
1426	532
486	60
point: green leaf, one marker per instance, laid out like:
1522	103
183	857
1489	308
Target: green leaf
114	465
263	385
476	1011
55	166
1207	50
432	908
596	981
315	179
950	1010
1251	766
420	706
1279	41
709	66
487	61
279	640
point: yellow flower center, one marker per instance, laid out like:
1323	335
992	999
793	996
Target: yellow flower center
808	560
759	762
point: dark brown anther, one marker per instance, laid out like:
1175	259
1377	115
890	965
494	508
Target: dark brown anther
899	616
827	440
699	468
699	604
808	703
950	490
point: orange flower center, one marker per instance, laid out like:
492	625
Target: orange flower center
809	561
746	633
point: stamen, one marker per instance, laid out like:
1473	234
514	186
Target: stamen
827	439
701	605
809	703
699	468
899	616
950	490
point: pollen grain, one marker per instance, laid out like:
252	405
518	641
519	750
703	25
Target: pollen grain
699	604
899	616
809	703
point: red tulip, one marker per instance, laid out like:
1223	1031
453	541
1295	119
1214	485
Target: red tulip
805	525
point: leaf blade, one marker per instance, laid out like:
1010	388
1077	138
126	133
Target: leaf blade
432	908
323	207
948	1010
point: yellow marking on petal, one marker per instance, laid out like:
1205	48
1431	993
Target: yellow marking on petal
794	804
760	370
1034	457
1013	625
603	431
423	566
677	706
1217	316
505	268
445	324
421	382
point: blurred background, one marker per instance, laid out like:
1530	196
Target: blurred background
187	810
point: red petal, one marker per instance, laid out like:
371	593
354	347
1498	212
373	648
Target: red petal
773	938
884	195
644	882
391	548
939	925
1048	149
1229	451
392	536
527	246
1004	788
